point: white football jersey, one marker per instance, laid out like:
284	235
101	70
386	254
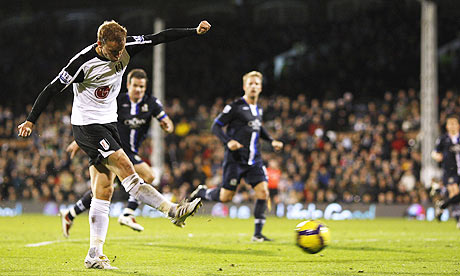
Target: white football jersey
96	81
94	100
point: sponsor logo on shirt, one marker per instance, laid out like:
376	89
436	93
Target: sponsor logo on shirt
255	124
105	144
455	148
102	92
134	122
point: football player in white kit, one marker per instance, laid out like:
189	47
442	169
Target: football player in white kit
96	75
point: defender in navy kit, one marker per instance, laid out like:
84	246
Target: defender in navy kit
447	152
243	159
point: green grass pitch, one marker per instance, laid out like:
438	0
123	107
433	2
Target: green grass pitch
218	246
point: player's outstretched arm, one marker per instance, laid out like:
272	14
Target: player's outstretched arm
25	129
135	44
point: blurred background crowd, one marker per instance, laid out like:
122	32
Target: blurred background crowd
338	150
358	146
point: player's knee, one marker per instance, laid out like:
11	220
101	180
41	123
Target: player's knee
225	198
262	194
104	192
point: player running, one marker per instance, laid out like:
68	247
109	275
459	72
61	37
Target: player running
135	112
447	152
95	75
243	119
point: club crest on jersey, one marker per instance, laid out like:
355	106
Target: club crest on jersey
64	77
145	108
102	92
138	38
233	181
105	144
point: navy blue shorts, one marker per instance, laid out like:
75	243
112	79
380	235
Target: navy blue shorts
252	174
135	159
450	178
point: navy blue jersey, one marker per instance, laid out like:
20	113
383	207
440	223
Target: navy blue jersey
134	119
244	124
451	153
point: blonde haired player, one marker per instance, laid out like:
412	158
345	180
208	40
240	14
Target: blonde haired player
95	75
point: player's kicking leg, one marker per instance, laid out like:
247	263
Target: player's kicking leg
119	163
127	218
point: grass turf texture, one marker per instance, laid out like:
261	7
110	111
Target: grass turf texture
216	246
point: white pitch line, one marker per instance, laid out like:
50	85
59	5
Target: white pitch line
72	240
41	243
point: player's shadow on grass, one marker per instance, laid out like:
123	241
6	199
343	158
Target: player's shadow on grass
247	251
368	248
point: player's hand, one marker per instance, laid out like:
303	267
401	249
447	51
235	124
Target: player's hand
72	149
234	145
25	129
203	27
437	156
167	125
277	145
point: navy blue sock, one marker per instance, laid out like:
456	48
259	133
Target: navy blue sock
132	204
259	215
81	205
201	193
212	194
452	200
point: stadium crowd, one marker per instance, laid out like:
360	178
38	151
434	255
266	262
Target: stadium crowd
338	150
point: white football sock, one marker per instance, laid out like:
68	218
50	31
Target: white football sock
98	223
136	187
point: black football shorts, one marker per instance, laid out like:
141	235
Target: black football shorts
97	140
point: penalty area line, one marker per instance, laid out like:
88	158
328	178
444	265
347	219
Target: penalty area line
41	243
44	243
